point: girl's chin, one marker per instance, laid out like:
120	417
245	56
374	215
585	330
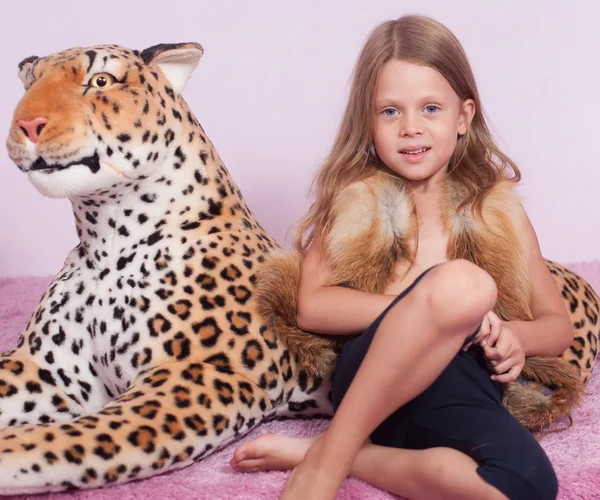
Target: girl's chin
413	175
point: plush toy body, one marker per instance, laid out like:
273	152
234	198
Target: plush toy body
146	352
374	223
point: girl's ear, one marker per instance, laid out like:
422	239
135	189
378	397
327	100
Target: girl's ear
467	113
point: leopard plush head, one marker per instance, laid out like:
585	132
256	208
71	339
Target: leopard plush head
100	119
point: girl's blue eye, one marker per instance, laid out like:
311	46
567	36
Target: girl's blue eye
390	111
432	108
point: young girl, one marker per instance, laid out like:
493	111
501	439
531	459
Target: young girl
430	403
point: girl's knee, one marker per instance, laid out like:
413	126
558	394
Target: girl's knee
459	294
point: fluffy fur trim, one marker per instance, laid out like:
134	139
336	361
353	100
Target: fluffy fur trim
553	389
373	223
277	292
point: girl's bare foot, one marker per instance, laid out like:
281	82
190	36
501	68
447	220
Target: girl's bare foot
270	452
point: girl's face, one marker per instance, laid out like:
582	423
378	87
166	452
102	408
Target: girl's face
418	118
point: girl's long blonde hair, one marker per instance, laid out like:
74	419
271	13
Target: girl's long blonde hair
477	163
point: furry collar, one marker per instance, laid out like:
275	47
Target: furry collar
375	224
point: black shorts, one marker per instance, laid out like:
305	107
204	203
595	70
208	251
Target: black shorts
462	410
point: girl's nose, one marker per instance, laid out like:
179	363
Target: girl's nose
410	125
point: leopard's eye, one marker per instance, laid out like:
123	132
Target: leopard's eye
102	80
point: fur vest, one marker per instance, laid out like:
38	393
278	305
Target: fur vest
374	225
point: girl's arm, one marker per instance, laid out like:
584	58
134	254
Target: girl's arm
551	331
333	310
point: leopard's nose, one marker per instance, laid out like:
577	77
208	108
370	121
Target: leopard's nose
33	128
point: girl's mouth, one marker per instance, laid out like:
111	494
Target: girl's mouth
415	154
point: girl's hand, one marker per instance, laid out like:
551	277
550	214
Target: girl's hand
489	331
506	355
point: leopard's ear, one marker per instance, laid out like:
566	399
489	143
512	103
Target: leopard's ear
177	61
25	67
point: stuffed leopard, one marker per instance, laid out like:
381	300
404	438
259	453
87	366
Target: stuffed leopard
583	306
146	352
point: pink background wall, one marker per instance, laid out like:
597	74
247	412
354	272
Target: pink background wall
272	84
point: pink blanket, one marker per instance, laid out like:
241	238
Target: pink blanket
575	453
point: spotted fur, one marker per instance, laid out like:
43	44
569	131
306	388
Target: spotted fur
583	306
146	353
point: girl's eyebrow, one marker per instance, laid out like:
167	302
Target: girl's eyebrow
433	97
386	101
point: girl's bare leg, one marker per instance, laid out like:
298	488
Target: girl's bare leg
414	343
415	474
